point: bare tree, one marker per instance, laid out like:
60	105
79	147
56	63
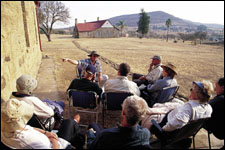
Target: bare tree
49	13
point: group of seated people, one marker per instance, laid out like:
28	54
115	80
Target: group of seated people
16	132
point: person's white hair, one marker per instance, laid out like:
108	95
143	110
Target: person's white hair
134	108
206	93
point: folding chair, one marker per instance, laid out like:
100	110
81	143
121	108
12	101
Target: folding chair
36	122
113	101
83	99
166	95
190	129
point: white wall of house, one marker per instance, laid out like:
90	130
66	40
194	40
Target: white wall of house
107	24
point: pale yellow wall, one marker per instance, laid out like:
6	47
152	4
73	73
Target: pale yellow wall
18	57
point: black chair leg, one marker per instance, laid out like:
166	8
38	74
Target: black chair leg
209	140
193	142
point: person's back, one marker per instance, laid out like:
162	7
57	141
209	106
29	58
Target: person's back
121	137
216	122
25	85
86	84
121	82
169	72
128	134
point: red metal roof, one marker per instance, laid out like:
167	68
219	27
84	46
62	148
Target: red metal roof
90	26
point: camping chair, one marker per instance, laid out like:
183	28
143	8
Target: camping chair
113	101
165	95
190	129
83	99
36	122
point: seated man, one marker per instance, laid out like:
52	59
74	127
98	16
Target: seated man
86	83
154	72
93	60
216	123
128	134
169	72
176	116
121	83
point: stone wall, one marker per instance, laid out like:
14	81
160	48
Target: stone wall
20	48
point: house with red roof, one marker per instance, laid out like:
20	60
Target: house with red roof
96	29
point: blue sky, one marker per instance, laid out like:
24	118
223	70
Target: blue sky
196	11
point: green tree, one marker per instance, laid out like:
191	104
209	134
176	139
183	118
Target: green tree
49	13
168	24
122	25
143	23
201	36
201	28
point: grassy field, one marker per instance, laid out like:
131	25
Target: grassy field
193	62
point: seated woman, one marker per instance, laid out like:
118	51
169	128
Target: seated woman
177	116
16	134
169	72
25	85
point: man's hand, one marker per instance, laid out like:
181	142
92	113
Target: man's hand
64	59
91	129
51	135
142	77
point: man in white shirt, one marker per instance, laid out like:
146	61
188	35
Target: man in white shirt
121	83
196	108
154	72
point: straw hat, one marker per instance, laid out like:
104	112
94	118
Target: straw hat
15	114
170	66
25	84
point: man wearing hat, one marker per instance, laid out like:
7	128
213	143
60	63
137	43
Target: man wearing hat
93	60
154	72
169	72
86	84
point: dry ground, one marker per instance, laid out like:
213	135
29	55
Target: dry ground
193	62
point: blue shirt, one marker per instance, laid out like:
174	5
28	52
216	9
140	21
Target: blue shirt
121	137
85	62
160	84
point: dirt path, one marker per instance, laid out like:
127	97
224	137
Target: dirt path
47	86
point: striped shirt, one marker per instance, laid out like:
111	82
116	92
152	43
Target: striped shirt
85	62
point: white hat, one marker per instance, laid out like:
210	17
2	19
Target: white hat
15	114
25	84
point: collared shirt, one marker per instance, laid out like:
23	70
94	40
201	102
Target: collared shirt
121	84
155	73
121	137
181	115
85	62
160	84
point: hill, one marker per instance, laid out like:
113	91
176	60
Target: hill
159	18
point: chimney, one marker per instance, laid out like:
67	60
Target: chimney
75	21
97	18
84	21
